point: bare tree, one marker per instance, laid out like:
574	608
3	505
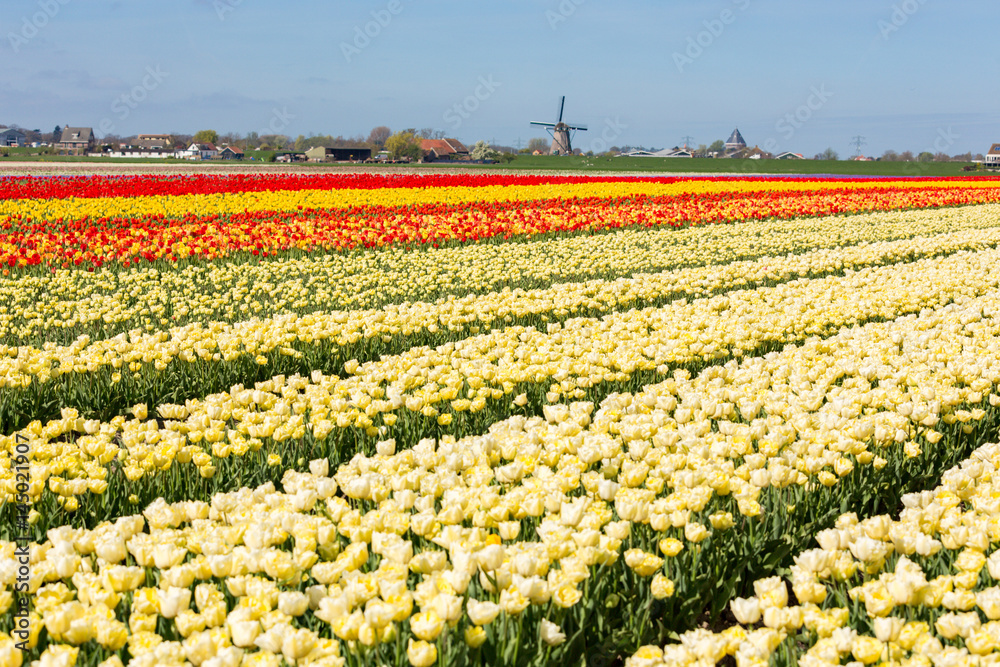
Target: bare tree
378	136
906	156
275	141
537	144
182	140
229	139
890	156
942	157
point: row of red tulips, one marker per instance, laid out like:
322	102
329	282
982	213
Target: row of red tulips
127	240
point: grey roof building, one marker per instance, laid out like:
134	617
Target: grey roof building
10	136
736	142
76	139
338	154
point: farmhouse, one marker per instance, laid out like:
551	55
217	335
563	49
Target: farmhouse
993	157
160	141
788	155
755	153
76	140
11	137
339	154
443	149
231	153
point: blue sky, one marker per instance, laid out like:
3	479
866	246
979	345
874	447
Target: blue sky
796	75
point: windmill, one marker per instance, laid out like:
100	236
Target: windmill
560	131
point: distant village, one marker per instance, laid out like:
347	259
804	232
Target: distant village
424	146
82	141
736	148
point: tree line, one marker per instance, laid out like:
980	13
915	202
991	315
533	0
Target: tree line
406	143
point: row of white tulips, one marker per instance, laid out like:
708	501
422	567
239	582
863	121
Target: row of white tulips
404	395
502	547
204	358
920	589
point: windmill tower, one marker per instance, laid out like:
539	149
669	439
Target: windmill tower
560	131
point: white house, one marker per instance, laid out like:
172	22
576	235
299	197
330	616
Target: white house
199	152
993	157
137	152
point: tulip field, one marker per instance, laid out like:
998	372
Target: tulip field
351	420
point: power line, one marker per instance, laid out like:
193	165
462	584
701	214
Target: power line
688	140
858	141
